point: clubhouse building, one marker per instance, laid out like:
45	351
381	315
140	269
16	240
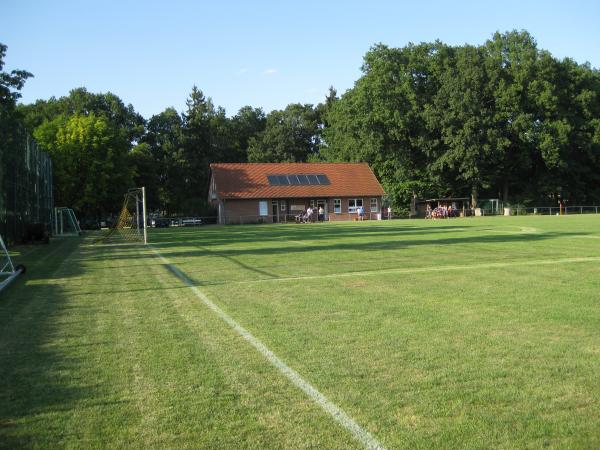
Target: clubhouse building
282	192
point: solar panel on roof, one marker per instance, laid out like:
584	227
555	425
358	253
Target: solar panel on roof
303	179
273	180
312	179
323	179
297	179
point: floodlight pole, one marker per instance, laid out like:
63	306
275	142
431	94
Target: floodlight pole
144	213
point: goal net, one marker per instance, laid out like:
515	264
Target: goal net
130	225
65	222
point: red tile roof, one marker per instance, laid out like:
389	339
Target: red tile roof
249	180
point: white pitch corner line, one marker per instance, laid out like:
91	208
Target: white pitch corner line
362	435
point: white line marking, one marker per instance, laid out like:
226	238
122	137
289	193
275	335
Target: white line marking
366	438
419	270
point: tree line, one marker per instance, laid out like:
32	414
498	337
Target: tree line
503	120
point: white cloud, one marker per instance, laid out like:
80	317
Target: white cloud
270	71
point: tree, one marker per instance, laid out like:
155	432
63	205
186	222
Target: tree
198	149
291	135
248	123
164	136
80	101
382	119
10	83
91	163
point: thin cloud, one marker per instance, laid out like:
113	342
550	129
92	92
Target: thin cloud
243	71
270	72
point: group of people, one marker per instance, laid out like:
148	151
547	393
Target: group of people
307	215
441	212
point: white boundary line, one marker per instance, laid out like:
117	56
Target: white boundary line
366	438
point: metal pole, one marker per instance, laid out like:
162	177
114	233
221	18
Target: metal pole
144	212
137	212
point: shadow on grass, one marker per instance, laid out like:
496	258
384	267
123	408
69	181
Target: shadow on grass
200	244
33	376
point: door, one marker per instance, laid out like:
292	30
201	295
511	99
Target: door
275	211
322	204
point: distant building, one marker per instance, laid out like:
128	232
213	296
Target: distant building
281	192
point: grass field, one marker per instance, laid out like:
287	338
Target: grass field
465	333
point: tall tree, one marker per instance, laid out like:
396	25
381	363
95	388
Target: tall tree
164	136
90	161
248	123
291	135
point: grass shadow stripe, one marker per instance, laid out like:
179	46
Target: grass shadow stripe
362	435
493	265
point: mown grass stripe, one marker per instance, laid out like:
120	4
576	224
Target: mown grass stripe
418	270
362	435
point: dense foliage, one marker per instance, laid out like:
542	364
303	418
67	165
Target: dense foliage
503	120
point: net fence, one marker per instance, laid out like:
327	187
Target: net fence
25	185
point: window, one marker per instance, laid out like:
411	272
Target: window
354	204
263	209
374	205
337	205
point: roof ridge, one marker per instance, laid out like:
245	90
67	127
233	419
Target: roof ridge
279	163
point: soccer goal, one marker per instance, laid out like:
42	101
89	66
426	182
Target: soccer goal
131	224
65	222
8	272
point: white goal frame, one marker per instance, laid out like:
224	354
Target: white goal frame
8	271
63	214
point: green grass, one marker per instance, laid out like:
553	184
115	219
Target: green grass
465	333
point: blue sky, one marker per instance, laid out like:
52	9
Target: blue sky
266	54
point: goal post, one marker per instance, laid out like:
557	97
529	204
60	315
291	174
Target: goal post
8	271
131	223
65	222
144	215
